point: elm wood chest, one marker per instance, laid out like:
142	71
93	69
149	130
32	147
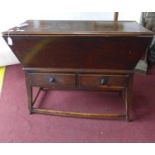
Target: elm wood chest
81	55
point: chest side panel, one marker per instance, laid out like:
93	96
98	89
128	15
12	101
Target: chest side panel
89	52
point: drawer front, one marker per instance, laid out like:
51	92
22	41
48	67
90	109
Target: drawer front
52	80
103	81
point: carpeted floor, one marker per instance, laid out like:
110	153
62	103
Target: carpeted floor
16	125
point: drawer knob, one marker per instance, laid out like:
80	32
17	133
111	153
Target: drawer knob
104	81
51	80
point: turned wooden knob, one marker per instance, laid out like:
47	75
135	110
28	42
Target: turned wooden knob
103	81
51	80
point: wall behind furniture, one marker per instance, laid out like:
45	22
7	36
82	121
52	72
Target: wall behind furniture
15	14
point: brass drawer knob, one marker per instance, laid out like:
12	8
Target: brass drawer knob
104	81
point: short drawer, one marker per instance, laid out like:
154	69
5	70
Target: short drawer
52	80
97	81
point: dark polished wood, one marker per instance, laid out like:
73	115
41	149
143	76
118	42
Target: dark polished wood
78	28
77	114
100	81
52	80
80	55
76	52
